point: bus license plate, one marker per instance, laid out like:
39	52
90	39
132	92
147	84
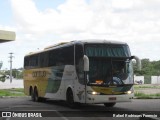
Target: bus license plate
112	98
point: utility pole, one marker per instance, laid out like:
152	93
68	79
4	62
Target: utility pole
11	56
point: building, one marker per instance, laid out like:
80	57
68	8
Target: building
6	36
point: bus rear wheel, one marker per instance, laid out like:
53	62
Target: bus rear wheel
32	95
109	104
36	98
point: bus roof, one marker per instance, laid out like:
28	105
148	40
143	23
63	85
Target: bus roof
93	41
90	41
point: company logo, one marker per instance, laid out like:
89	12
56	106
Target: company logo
21	114
6	114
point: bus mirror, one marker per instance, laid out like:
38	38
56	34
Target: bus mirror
86	63
138	62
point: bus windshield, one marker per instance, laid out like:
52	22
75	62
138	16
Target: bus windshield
109	65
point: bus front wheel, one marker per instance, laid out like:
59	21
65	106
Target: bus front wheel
109	104
70	99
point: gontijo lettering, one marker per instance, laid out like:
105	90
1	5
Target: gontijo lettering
39	74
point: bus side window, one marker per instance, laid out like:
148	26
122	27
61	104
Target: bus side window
26	62
67	55
53	55
43	59
79	62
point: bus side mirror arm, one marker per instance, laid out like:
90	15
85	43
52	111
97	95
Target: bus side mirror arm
138	62
86	63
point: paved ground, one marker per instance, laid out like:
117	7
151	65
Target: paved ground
59	109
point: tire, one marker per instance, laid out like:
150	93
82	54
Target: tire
70	99
32	95
36	98
109	104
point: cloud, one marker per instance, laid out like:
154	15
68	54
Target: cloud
134	22
72	16
77	16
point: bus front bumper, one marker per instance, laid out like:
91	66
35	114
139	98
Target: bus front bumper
109	98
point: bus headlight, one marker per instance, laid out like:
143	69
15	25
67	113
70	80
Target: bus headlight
128	92
93	92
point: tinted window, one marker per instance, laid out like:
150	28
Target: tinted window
107	51
79	62
61	56
43	59
55	57
31	61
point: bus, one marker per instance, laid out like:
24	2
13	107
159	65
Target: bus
82	71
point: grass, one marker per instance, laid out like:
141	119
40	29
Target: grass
139	95
146	86
147	96
12	92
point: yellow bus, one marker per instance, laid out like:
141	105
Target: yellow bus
88	71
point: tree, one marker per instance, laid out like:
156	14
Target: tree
16	73
148	68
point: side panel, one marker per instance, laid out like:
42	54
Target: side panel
55	88
36	78
69	80
47	80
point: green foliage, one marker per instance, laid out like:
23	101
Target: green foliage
16	73
147	79
148	68
147	96
2	78
136	87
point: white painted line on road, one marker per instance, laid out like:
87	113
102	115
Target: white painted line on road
64	118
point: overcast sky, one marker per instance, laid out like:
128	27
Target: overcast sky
41	23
